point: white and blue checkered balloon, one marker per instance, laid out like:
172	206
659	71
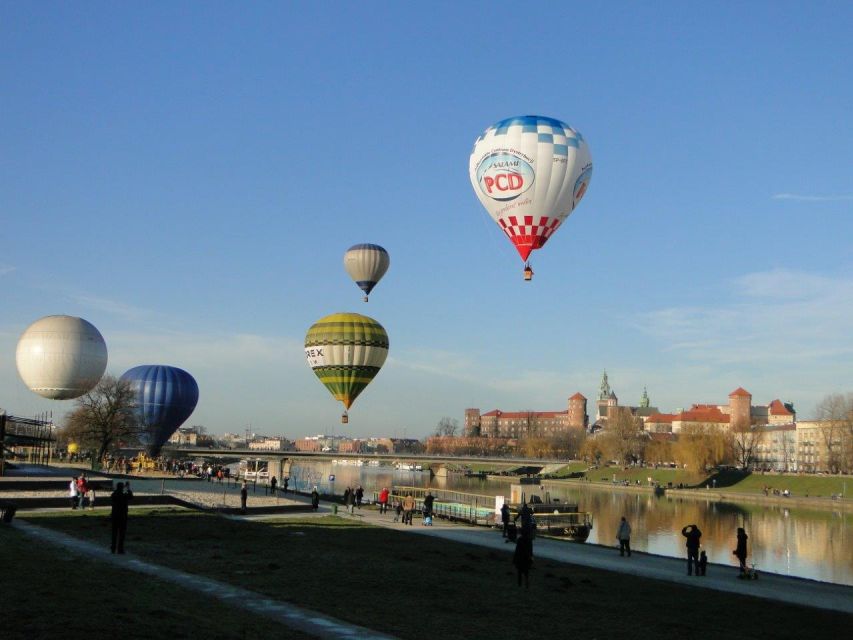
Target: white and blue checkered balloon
530	173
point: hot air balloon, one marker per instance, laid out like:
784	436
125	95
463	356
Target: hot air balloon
530	172
61	357
346	351
165	398
366	264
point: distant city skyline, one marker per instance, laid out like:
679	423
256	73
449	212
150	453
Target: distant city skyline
188	177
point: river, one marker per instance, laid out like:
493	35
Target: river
808	543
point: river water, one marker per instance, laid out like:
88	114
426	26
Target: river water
813	544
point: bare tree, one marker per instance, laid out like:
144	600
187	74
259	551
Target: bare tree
447	427
744	440
835	413
104	416
622	435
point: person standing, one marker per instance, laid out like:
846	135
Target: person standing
693	535
315	499
118	515
523	558
428	501
526	515
72	492
383	500
702	567
273	483
408	508
244	496
81	491
740	551
624	536
359	496
286	482
505	518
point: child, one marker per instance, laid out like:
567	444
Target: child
398	509
702	565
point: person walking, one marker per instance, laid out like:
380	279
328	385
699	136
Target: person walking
359	496
315	499
505	518
408	508
273	484
286	482
692	533
740	551
118	515
523	559
72	492
398	509
624	536
383	500
350	501
244	496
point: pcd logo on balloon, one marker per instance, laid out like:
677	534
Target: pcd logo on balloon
503	176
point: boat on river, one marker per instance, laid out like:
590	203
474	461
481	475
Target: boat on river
552	517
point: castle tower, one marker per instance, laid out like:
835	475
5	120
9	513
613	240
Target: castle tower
606	398
740	408
472	423
644	400
577	411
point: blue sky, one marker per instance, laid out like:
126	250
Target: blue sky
187	177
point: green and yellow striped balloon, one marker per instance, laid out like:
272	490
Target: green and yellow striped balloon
346	351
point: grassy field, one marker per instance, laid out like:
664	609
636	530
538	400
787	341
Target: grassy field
730	480
46	593
423	587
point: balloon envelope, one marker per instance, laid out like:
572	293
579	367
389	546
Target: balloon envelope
61	357
165	398
530	172
366	264
346	351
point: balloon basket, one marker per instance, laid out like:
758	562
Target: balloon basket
344	419
365	298
528	273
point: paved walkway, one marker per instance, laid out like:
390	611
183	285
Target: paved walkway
809	593
304	620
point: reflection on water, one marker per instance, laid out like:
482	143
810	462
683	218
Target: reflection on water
796	542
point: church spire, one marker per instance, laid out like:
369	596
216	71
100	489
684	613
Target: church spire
604	390
644	401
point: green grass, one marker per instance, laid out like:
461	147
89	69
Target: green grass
49	593
416	586
730	480
799	485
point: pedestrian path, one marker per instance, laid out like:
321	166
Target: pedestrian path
809	593
298	618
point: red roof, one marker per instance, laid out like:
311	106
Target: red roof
660	417
740	392
779	409
578	396
703	414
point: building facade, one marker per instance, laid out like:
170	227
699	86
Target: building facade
526	424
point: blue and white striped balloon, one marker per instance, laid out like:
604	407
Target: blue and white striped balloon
366	264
